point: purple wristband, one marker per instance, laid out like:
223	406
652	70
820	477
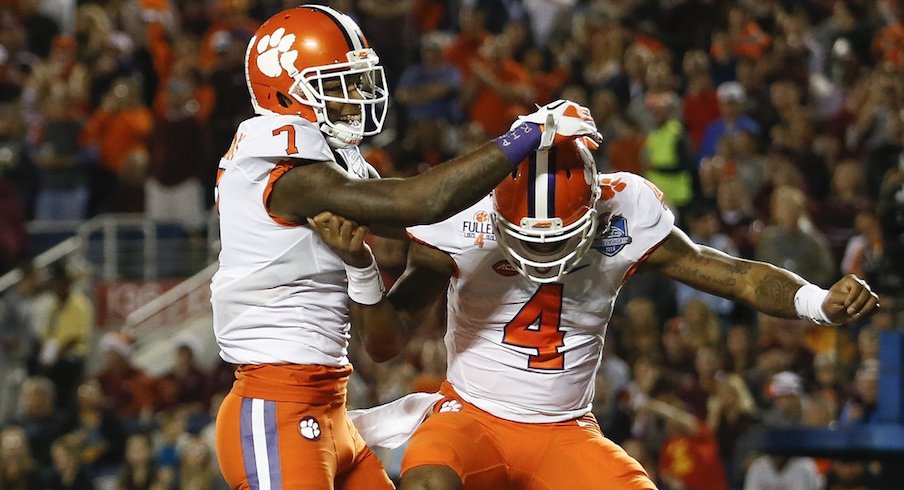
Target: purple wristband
519	142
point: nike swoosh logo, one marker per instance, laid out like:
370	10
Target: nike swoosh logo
555	104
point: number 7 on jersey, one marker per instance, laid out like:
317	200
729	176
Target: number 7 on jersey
536	327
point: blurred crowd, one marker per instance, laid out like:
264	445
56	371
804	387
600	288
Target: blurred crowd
774	127
77	413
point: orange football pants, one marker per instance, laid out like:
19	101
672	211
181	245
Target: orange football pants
285	427
489	453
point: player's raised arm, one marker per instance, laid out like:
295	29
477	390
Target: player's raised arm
765	287
385	322
309	188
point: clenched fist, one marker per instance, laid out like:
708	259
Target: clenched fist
850	299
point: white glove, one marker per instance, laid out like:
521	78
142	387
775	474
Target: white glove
561	121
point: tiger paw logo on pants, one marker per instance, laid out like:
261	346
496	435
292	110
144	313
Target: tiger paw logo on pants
309	428
450	406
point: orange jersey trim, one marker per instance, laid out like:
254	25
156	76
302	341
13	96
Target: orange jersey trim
278	171
418	240
631	270
293	382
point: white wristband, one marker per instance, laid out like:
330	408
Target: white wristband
365	286
808	302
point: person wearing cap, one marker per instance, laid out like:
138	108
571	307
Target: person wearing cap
128	390
784	389
732	98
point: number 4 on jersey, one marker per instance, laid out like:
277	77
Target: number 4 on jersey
536	327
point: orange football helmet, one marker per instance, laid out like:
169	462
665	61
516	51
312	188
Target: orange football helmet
546	218
297	51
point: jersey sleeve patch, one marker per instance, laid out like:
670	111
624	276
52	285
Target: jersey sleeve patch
640	219
455	235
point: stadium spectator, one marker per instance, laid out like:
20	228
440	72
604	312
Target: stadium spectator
140	472
390	29
864	250
732	98
68	472
66	337
846	474
170	438
860	408
785	391
185	384
630	83
17	340
40	28
60	160
466	44
178	149
740	349
119	131
59	75
730	413
18	470
700	102
792	242
768	472
13	233
129	391
828	389
659	86
689	456
499	87
666	152
41	421
99	432
196	469
603	63
429	91
12	76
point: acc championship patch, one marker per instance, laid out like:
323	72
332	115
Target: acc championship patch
503	268
614	239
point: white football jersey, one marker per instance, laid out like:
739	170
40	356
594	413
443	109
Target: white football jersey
279	295
529	352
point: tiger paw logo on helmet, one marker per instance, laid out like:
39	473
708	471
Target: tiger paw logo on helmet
274	54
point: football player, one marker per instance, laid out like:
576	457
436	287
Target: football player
532	273
280	300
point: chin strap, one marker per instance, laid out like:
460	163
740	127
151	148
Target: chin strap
338	137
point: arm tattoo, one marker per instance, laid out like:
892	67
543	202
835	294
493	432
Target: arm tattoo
761	286
775	289
709	274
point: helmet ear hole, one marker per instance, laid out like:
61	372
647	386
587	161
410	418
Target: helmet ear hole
283	100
